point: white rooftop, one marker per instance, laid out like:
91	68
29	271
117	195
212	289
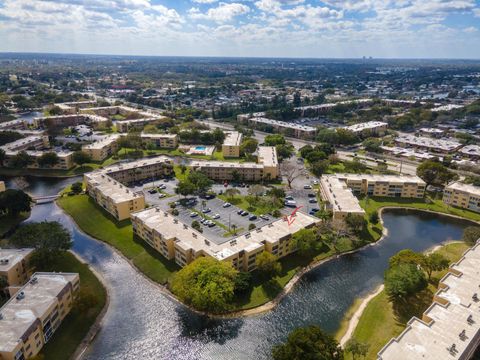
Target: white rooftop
283	124
435	144
100	144
339	195
468	188
232	138
11	257
365	126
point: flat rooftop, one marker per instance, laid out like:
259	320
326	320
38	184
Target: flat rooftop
232	138
382	178
446	332
332	105
365	126
283	124
225	164
339	195
100	144
158	136
22	142
439	144
187	238
267	155
13	257
135	164
468	188
448	107
470	150
18	316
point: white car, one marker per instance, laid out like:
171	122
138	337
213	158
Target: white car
306	187
227	204
216	216
193	214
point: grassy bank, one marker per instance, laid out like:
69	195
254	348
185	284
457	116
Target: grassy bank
77	324
374	204
96	222
383	319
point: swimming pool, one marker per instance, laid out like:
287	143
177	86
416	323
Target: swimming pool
200	148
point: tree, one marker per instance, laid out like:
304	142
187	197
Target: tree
77	187
305	150
81	158
319	168
404	280
434	262
306	241
231	193
242	282
355	222
85	300
201	182
372	145
48	159
346	137
275	139
22	159
185	188
406	256
14	202
9	136
290	171
284	151
48	238
433	172
355	347
256	190
374	218
268	264
308	343
206	284
471	234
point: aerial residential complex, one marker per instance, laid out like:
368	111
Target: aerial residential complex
106	186
103	148
338	190
160	141
266	168
370	128
29	319
290	129
462	195
14	265
231	144
439	146
64	121
176	240
450	327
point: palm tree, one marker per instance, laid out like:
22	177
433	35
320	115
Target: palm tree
234	229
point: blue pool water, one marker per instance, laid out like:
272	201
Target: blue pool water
200	148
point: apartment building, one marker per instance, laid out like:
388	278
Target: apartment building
471	151
339	190
17	124
466	196
14	265
103	148
124	126
64	121
231	144
180	242
267	167
74	106
370	128
106	186
30	318
440	146
450	327
161	141
287	128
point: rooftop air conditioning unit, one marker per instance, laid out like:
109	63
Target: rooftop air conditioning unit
20	295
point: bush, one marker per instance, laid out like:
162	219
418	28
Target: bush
77	187
251	227
374	218
175	212
471	234
276	213
404	280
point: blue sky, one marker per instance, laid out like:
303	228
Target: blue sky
260	28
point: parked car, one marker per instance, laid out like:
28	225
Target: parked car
312	195
161	196
289	197
312	212
216	216
315	182
211	224
307	186
227	204
193	214
290	203
312	201
162	187
152	191
245	213
206	211
240	212
264	217
252	217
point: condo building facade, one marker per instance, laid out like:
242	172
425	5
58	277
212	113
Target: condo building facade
64	121
106	186
466	196
161	141
14	265
180	242
450	327
103	148
289	129
339	190
439	146
231	144
30	318
266	168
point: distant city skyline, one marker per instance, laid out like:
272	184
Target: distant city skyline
244	28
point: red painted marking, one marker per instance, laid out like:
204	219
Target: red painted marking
290	219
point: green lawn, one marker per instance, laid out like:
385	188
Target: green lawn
373	204
96	222
382	320
241	202
76	325
8	222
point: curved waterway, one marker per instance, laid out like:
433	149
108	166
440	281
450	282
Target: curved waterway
141	322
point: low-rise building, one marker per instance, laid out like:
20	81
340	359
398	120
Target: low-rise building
161	141
287	128
124	126
103	148
180	242
73	107
231	144
64	121
471	151
30	318
267	167
14	265
17	124
432	132
370	128
338	190
106	186
450	327
462	195
441	146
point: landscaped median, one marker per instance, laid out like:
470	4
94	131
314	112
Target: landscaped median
381	320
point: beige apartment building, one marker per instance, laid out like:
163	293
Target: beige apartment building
339	190
64	121
231	144
180	242
74	106
102	149
450	327
106	186
266	168
161	141
288	128
124	126
31	317
14	265
462	195
370	128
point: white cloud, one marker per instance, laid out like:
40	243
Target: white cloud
205	1
223	13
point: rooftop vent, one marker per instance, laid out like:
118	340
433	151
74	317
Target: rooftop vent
33	280
20	295
475	297
462	335
470	319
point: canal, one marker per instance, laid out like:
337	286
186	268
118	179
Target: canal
141	322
